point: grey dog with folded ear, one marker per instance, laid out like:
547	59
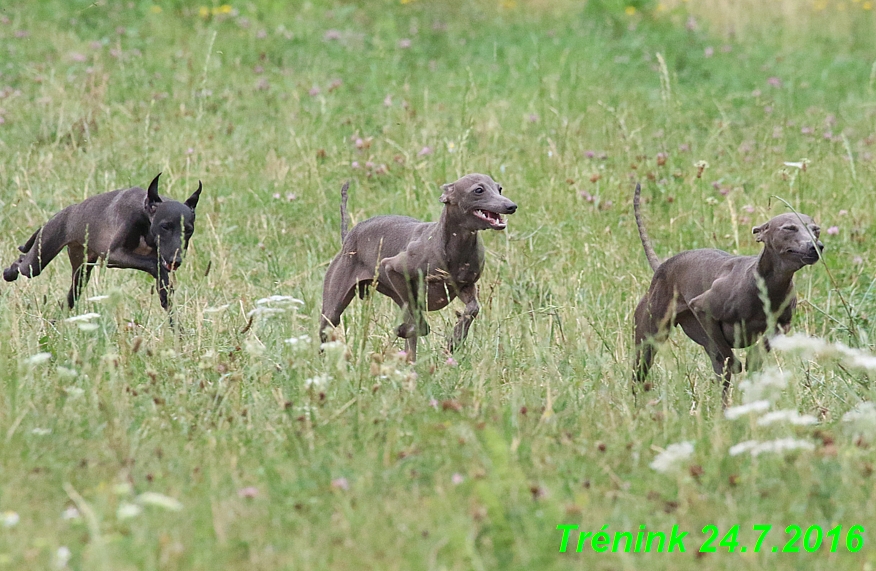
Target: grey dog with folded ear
717	297
128	228
405	258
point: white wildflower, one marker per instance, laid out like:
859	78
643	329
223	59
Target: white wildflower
776	446
74	392
98	298
767	385
217	309
800	343
62	557
862	418
745	446
84	317
672	456
41	431
298	343
70	514
38	359
332	346
812	347
9	519
67	373
127	510
279	299
735	412
159	500
263	311
87	326
789	416
318	383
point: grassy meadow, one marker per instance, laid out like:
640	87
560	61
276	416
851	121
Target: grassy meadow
127	445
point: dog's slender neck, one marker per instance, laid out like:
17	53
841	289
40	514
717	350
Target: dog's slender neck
777	275
457	241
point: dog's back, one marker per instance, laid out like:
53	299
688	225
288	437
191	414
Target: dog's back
383	236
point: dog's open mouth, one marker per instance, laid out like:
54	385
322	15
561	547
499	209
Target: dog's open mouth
808	258
493	219
170	266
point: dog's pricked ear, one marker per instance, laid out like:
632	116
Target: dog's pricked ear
447	192
759	231
152	198
192	201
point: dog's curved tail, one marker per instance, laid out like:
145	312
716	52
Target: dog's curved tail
344	190
653	260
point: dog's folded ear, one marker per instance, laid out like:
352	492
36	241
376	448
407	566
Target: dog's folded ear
447	193
192	201
759	231
152	198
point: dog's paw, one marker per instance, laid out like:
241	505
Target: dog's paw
405	331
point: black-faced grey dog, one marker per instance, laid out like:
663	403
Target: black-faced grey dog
406	259
127	228
718	298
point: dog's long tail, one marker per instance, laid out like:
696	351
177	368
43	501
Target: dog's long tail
653	260
344	221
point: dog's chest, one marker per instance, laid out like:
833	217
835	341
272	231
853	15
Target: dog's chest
143	248
442	285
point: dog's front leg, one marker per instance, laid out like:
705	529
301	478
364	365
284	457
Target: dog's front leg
165	289
469	296
405	288
122	258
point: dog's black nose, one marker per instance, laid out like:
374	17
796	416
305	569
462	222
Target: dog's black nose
511	208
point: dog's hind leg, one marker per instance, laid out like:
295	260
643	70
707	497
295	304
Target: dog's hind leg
334	302
45	244
652	329
339	289
81	272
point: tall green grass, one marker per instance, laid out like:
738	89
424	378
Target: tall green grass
285	458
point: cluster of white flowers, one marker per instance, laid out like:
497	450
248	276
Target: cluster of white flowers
317	383
216	309
862	419
767	386
37	359
84	321
274	305
300	342
776	446
787	415
265	311
671	458
735	412
758	395
813	347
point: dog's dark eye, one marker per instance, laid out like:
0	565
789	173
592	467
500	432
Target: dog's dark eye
165	226
791	228
479	190
500	190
